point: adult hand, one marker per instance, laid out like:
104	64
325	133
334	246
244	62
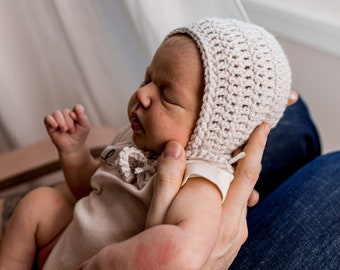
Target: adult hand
234	230
241	194
170	173
292	98
254	196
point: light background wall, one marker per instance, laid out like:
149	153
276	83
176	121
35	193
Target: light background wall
309	31
55	53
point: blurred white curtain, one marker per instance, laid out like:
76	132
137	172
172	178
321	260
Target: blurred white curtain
56	53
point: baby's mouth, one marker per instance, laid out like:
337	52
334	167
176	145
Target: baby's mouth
135	123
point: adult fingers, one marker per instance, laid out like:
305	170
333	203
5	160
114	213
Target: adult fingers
231	238
234	229
253	198
247	171
292	98
170	171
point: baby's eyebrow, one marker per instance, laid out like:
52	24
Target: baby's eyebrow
151	73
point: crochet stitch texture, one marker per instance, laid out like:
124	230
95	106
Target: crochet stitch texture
247	82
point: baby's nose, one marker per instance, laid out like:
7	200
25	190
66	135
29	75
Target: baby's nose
144	95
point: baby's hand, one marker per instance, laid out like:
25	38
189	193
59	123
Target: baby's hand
68	129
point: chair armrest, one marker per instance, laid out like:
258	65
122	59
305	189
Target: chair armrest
29	162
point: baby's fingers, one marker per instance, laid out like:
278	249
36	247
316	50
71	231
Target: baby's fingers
78	114
60	120
50	122
64	120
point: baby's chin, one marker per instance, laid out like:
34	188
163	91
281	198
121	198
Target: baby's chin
142	145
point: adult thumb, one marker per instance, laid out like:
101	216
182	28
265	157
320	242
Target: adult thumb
170	171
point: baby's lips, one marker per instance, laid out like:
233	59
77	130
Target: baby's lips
135	123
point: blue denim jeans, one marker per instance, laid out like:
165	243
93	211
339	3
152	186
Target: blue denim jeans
291	144
297	225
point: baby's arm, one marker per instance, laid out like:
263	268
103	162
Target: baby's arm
68	131
184	241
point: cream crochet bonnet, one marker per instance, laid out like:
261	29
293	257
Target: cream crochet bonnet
247	81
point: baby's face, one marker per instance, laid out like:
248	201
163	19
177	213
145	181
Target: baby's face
166	105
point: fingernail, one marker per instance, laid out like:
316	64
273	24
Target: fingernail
293	95
172	150
266	128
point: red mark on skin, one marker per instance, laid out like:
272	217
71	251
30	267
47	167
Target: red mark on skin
142	259
167	252
156	258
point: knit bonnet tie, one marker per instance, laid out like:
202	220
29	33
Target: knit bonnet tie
134	165
137	167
